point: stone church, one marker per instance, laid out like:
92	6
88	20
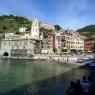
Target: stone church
22	45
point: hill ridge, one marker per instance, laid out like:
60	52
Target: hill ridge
87	30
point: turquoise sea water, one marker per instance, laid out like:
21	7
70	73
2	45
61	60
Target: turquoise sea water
36	77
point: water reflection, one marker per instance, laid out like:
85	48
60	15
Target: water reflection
29	77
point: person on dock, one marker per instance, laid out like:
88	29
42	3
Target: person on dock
71	89
67	59
58	59
78	88
93	89
90	81
85	86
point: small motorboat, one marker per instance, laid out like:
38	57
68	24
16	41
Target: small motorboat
91	65
85	61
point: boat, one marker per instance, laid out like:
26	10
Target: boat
84	61
91	65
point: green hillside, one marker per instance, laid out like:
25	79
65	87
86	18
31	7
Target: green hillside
12	23
87	31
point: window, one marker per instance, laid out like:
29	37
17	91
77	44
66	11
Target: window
69	47
58	41
58	46
64	45
48	46
64	37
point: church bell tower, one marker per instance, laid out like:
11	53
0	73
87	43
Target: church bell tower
35	29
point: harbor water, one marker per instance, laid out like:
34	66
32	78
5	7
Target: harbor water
36	77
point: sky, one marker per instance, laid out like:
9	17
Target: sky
69	14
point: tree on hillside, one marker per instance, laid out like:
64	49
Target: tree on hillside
57	27
45	32
17	32
87	31
4	27
11	23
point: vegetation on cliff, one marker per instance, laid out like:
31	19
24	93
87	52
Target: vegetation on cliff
11	23
87	31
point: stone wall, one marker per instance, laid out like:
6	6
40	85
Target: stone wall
19	52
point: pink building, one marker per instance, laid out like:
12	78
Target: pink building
56	40
65	40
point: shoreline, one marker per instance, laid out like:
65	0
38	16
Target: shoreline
48	58
63	59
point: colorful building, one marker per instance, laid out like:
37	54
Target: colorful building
65	39
54	40
89	44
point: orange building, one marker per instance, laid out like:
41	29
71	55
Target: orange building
89	44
